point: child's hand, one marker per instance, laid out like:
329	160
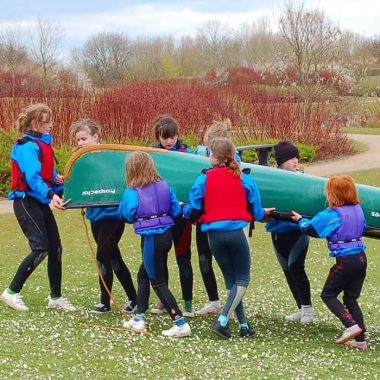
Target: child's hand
59	179
296	217
267	216
58	202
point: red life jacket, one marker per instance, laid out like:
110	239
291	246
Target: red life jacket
45	156
225	197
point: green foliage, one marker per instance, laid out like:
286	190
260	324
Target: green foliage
7	139
368	86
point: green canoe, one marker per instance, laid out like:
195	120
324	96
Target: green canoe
96	176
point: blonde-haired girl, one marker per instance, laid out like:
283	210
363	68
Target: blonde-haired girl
220	199
342	224
151	206
35	183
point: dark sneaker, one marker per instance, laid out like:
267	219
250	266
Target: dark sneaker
131	307
247	332
223	332
100	308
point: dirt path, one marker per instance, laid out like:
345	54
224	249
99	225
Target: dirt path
362	161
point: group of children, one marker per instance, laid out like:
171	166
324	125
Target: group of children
223	200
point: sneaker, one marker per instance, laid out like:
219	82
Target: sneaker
61	303
307	314
296	317
209	309
223	332
158	308
137	326
349	333
131	307
247	332
354	344
100	308
188	313
14	301
178	331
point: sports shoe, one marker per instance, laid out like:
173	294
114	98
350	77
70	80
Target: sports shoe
137	326
349	333
61	303
247	332
208	309
130	308
296	317
223	332
354	344
178	331
188	313
158	308
14	301
100	309
307	314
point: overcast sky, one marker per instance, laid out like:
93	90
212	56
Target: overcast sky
81	18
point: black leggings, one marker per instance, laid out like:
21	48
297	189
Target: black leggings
182	246
107	234
154	270
39	226
205	264
291	249
346	276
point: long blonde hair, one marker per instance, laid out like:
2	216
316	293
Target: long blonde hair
223	150
141	170
39	112
217	129
341	190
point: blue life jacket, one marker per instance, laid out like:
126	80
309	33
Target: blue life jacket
153	209
349	234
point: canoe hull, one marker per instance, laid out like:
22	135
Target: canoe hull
96	176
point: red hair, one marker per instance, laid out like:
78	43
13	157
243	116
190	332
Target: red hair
341	190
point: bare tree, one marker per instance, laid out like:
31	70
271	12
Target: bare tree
104	58
309	45
214	40
46	39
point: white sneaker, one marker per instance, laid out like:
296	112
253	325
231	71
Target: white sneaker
296	317
61	303
178	331
209	309
307	314
158	308
14	301
136	326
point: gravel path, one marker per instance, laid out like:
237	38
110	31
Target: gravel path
361	161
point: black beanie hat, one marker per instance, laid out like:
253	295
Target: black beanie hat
284	151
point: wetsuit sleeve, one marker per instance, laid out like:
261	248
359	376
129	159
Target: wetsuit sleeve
322	225
29	164
194	208
253	196
175	208
128	205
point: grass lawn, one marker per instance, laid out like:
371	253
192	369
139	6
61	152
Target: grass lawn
362	130
49	344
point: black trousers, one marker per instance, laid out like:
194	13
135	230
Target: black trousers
346	276
182	246
107	234
291	249
205	264
154	270
40	228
